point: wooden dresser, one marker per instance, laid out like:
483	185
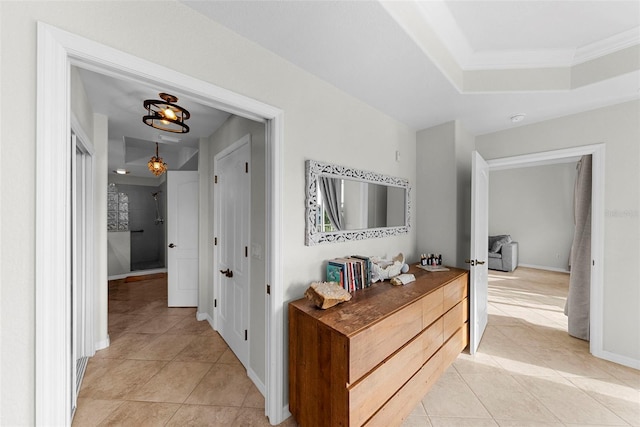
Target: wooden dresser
370	360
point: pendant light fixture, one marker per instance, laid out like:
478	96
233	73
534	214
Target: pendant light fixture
166	115
156	165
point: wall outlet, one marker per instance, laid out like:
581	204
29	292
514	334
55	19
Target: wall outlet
256	250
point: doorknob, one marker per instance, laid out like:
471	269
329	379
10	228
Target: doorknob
479	262
171	245
227	272
470	261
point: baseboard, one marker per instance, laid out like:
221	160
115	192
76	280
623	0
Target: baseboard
103	344
259	384
617	358
285	412
136	273
200	316
543	267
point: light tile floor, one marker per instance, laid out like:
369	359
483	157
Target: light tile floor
528	371
165	368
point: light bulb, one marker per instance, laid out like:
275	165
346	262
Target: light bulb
168	113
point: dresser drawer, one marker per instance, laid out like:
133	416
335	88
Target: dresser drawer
370	347
401	404
454	292
432	307
368	394
452	348
455	318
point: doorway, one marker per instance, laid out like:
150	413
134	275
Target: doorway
597	223
82	343
58	49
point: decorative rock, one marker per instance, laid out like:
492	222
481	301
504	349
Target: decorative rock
326	294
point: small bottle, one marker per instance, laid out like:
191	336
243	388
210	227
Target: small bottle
440	259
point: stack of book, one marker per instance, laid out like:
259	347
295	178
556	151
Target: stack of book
352	273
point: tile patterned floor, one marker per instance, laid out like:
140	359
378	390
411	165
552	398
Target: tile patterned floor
528	371
165	368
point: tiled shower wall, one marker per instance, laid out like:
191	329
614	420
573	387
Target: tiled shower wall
147	246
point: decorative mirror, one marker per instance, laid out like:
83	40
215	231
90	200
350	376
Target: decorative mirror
346	204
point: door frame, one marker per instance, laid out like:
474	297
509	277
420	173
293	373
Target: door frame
82	266
597	151
57	50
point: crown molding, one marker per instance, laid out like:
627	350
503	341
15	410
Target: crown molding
607	46
437	15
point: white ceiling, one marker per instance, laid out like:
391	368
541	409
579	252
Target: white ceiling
131	142
366	50
360	48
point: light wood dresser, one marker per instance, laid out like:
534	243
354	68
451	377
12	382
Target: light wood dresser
370	360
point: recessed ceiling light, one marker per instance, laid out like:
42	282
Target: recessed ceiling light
517	118
121	171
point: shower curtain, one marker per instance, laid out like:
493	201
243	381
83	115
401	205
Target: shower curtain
578	300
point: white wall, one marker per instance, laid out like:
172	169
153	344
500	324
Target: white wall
618	128
321	123
443	158
535	206
437	182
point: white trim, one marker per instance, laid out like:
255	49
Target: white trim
275	316
200	316
439	18
137	273
622	360
256	380
596	343
53	234
103	344
606	46
57	49
544	267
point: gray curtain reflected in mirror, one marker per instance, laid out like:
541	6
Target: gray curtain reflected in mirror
331	189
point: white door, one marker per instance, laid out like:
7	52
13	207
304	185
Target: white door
232	193
479	250
182	238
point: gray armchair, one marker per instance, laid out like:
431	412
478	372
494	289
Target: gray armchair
503	253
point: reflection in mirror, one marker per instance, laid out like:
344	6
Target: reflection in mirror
349	204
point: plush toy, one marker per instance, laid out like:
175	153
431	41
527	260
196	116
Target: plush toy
382	269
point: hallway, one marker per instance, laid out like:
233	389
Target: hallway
163	367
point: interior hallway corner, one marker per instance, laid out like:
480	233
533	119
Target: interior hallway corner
164	367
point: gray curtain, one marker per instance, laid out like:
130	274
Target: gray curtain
578	301
330	188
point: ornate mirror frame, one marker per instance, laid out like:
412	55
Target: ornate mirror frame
315	169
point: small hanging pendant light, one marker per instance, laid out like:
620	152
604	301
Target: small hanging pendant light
156	165
166	115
